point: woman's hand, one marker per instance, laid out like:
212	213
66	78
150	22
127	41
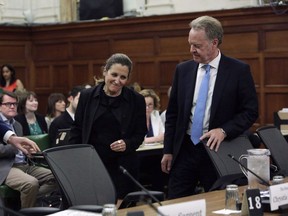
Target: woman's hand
118	146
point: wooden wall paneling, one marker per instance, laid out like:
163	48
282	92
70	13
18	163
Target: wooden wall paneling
42	98
134	47
273	103
243	42
276	71
174	45
276	40
43	80
12	50
166	70
90	49
155	44
60	77
80	75
55	51
147	74
254	61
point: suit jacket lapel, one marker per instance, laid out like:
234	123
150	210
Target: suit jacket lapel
190	88
221	79
18	128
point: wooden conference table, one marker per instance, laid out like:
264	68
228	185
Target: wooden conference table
214	201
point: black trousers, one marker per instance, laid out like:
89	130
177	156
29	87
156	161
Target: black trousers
191	167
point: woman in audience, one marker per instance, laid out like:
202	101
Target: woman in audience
32	122
153	120
8	80
111	117
56	106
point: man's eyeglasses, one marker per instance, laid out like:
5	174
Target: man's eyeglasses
8	104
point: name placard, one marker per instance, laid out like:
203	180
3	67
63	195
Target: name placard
278	195
191	208
251	204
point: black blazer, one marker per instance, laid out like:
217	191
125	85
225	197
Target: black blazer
23	121
61	122
234	102
131	115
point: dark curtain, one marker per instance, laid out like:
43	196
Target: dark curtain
96	9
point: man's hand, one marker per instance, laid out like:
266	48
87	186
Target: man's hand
24	144
166	163
214	138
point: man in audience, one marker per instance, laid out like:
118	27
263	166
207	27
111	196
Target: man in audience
15	171
66	119
7	136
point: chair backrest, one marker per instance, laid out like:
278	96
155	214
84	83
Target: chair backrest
273	139
81	174
42	140
229	171
222	162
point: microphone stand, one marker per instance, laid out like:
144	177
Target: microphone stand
125	172
249	170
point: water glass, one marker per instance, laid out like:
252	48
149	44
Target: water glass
277	180
109	210
231	197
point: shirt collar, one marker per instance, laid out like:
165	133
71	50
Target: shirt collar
214	63
7	121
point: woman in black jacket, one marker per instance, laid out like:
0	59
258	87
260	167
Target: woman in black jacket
32	122
112	118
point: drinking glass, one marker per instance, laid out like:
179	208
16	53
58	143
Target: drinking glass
231	197
109	210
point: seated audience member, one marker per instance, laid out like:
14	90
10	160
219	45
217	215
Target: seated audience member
8	80
56	106
136	87
154	123
163	114
32	122
31	181
66	119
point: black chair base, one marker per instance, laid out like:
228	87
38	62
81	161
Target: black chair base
38	211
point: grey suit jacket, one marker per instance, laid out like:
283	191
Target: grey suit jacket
7	154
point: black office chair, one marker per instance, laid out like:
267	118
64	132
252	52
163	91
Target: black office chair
229	171
84	180
273	139
81	176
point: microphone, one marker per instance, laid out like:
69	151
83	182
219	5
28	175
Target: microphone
125	172
249	170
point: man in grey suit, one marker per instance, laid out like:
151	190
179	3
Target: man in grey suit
15	171
230	108
24	144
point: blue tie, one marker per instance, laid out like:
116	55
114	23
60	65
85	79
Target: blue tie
198	117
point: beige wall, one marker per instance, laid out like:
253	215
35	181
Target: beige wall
47	11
